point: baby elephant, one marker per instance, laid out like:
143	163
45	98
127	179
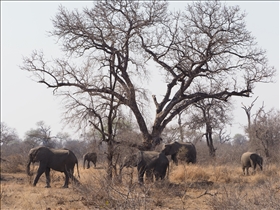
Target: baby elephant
89	157
251	159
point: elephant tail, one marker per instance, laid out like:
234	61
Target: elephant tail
78	170
167	174
84	161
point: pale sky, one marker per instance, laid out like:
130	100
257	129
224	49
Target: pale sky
24	27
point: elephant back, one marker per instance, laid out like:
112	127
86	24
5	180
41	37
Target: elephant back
248	156
185	151
147	156
93	156
129	161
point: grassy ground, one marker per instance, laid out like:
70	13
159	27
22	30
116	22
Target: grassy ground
188	187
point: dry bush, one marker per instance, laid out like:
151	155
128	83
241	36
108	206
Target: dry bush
258	191
183	173
227	199
194	173
271	170
12	164
247	197
227	186
98	192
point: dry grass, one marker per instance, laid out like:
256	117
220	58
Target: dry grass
188	187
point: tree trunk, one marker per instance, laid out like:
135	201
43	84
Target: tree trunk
110	160
180	127
212	150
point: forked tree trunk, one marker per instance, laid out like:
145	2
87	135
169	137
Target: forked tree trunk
212	150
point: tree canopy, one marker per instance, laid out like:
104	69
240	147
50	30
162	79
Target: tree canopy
203	51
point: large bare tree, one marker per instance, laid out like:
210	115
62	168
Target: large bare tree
206	44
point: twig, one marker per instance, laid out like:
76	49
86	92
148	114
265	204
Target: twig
205	193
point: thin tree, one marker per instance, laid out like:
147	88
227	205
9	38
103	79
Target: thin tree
204	44
247	110
266	127
102	115
7	135
40	136
212	115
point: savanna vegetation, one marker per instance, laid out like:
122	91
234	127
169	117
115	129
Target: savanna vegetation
209	184
205	56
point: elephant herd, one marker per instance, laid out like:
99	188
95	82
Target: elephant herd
156	164
151	163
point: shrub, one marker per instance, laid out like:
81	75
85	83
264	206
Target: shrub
12	164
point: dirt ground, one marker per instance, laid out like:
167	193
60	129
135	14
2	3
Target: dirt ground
18	193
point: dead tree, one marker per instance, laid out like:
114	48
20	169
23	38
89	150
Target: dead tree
249	130
204	45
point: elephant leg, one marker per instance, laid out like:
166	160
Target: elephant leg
174	158
72	177
162	174
157	176
247	170
141	172
149	175
159	173
66	179
243	169
40	171
48	179
253	165
88	164
260	165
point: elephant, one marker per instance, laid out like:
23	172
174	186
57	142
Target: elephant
129	161
89	157
251	159
62	160
186	151
150	163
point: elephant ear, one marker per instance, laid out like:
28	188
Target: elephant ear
35	154
139	156
166	149
175	147
133	160
182	153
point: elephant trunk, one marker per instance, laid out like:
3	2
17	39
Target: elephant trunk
28	168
